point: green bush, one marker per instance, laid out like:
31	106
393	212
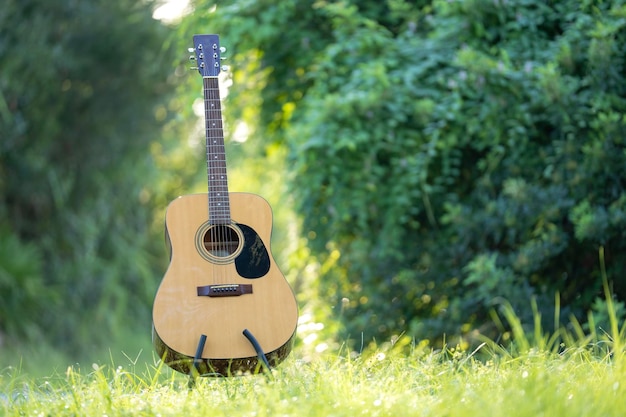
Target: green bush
82	97
480	163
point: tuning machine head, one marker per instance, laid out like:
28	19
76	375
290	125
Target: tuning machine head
223	58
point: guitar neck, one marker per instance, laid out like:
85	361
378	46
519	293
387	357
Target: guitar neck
219	202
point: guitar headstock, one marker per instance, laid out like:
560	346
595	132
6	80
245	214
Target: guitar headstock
207	54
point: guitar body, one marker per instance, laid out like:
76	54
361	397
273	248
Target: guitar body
222	280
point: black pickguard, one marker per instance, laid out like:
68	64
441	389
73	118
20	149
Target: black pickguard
254	259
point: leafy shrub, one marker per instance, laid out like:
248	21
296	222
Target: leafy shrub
81	99
480	163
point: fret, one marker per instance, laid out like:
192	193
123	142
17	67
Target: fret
219	201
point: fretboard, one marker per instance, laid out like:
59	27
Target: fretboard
219	203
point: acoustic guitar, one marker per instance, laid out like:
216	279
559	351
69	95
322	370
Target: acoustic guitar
223	307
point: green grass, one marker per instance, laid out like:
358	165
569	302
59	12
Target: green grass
584	380
568	373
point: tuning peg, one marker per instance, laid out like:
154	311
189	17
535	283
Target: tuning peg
193	68
192	57
225	68
223	58
222	49
191	50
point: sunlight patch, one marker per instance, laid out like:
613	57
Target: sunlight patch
171	11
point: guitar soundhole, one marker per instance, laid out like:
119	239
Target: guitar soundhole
221	241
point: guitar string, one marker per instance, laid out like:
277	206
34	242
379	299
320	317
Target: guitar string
218	209
222	228
208	245
211	172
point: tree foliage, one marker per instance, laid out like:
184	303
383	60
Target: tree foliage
83	94
445	156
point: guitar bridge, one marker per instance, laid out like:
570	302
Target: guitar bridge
224	290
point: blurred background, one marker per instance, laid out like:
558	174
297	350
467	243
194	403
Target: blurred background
428	163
